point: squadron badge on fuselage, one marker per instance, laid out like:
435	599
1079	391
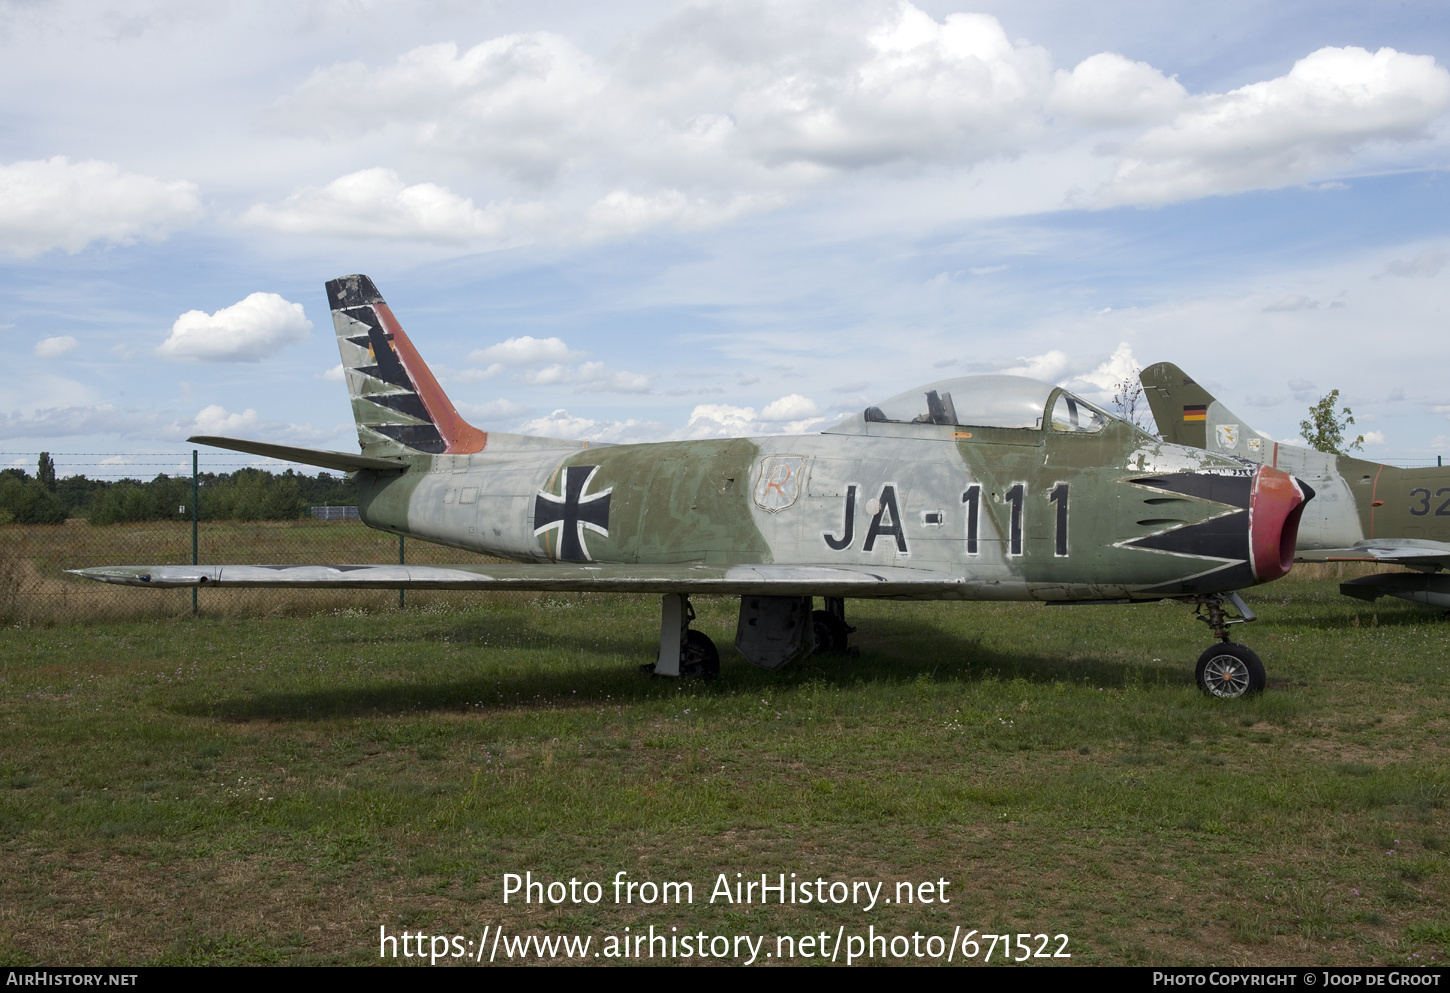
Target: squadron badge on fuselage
778	483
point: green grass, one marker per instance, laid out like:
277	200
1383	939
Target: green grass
275	789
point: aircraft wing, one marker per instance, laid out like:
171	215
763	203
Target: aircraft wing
1413	552
768	580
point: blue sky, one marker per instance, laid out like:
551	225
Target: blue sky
653	220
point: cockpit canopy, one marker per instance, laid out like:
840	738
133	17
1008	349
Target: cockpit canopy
983	401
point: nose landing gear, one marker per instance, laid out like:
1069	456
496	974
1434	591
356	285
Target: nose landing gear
1227	670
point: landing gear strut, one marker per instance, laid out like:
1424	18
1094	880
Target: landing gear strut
683	651
831	630
1227	670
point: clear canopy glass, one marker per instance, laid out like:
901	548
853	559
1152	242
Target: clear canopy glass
1075	414
986	401
969	401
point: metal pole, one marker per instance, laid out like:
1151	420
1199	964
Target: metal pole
194	491
400	562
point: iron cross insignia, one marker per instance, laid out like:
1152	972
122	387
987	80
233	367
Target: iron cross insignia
571	512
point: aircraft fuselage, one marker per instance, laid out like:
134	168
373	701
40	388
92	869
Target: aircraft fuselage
1019	513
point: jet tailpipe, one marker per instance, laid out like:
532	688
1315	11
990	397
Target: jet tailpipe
1276	503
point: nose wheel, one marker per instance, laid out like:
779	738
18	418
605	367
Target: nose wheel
1228	670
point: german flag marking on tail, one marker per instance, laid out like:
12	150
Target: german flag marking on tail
1195	411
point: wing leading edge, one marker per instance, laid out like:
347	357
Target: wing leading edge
850	581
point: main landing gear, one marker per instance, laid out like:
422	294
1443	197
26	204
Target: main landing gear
832	633
683	651
772	632
1227	670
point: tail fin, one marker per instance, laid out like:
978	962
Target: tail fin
397	403
1187	414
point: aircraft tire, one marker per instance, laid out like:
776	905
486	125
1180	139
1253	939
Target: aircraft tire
831	633
699	659
1229	671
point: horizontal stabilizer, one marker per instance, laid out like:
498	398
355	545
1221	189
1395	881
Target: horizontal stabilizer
341	461
795	580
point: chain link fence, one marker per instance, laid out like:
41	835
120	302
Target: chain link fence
36	589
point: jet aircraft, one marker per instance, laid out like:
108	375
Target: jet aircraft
977	488
1363	511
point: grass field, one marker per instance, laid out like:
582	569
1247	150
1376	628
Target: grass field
275	789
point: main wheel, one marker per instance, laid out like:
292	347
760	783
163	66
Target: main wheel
830	631
1229	671
699	658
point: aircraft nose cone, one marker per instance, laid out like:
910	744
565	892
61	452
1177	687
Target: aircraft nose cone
1276	503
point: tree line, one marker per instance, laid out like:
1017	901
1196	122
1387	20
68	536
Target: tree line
244	495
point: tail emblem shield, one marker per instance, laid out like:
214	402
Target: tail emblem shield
778	485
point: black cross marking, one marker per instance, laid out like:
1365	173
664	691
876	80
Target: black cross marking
572	512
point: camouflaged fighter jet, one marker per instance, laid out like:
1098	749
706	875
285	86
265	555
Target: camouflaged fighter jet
1363	511
980	488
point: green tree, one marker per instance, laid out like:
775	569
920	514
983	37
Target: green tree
27	502
1128	402
1325	429
45	471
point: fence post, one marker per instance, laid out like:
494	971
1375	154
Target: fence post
400	562
194	491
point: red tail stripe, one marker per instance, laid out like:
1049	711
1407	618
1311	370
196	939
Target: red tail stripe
461	437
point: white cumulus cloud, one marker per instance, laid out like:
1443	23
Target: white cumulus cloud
376	203
518	102
721	109
1119	367
215	419
525	350
49	348
1283	131
789	408
793	414
1107	89
54	203
835	89
1050	366
247	331
720	420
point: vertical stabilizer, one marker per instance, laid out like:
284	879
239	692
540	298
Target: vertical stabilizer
398	405
1187	414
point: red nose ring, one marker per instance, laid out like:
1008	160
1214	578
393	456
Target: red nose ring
1275	505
